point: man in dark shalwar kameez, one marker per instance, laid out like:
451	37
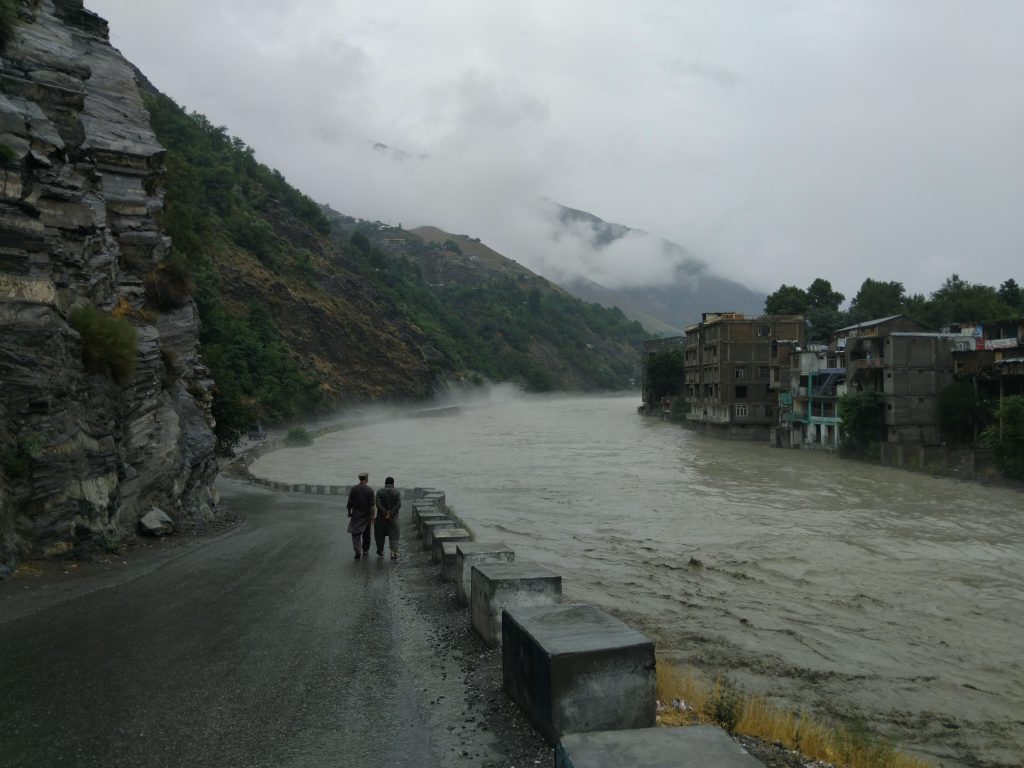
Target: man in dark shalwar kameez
360	512
389	501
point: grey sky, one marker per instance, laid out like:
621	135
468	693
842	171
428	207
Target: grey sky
779	141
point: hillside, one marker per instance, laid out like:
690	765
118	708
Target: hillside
678	302
304	309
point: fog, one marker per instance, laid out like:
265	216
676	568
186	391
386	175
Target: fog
778	142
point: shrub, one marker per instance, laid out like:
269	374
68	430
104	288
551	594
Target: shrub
1006	437
8	21
168	286
863	422
109	344
298	436
18	461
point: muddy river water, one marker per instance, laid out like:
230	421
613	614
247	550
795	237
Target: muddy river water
840	587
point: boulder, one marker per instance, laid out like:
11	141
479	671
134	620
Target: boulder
156	523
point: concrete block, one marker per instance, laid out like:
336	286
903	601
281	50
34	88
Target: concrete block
419	507
699	746
448	561
469	554
425	517
438	497
429	526
448	535
498	586
573	668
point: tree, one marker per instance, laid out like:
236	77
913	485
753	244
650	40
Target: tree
958	301
961	411
863	421
821	296
1011	294
360	242
665	372
876	299
787	300
1006	437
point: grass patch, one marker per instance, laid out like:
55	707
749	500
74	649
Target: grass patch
109	344
721	703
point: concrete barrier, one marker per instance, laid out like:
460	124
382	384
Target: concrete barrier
469	554
699	746
423	506
438	498
429	526
573	668
424	517
448	535
448	561
498	586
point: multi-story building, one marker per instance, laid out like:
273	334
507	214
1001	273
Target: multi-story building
809	416
733	369
907	367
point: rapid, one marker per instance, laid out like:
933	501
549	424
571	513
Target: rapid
843	588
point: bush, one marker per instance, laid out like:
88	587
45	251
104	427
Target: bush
168	286
862	418
298	436
109	344
1006	437
8	21
18	462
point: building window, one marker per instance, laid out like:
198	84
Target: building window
764	330
764	372
741	372
741	409
767	410
741	392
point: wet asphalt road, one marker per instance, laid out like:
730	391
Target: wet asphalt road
268	646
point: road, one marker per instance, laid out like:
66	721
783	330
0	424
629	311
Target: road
266	646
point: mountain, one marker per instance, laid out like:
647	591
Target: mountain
161	290
672	304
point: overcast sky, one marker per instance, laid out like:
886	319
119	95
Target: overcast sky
779	141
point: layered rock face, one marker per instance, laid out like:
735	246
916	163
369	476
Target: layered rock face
82	456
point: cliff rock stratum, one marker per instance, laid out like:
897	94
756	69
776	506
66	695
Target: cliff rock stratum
87	448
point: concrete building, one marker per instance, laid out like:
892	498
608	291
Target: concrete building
907	367
808	412
734	367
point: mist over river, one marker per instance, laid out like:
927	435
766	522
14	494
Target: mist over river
836	586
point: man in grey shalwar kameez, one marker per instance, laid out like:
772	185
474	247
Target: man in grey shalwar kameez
360	513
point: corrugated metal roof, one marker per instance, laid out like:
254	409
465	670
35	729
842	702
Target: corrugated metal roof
867	323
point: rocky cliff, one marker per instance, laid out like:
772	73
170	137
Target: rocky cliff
83	454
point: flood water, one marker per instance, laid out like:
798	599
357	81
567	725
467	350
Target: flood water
836	586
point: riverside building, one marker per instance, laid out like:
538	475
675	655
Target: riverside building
734	367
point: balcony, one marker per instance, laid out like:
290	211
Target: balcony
825	391
863	365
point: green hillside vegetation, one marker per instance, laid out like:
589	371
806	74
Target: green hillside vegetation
494	319
300	312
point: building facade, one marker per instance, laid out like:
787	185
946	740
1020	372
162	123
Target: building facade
907	367
808	407
734	367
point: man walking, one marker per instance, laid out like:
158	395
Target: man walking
389	501
360	512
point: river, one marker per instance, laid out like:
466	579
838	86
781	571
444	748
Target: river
844	588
